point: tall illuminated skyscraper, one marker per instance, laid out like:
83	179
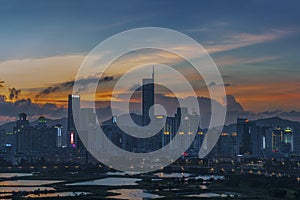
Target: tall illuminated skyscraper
73	106
147	99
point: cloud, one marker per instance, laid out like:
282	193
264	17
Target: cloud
1	84
12	109
68	85
14	93
213	84
230	60
238	40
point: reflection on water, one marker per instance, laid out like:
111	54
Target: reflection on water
203	187
10	175
132	194
172	175
213	195
28	182
204	195
113	181
207	177
122	173
57	194
26	189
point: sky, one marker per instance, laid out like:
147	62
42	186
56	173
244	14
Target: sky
255	45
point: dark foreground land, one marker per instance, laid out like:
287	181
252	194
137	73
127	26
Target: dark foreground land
232	186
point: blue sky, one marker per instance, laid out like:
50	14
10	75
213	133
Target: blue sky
255	44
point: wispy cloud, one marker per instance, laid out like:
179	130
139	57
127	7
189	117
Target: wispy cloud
231	60
238	40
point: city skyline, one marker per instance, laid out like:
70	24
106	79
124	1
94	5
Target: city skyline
139	99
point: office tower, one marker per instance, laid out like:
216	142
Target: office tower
277	137
248	137
182	113
227	145
22	123
73	106
168	131
282	140
288	139
42	122
147	99
58	128
34	140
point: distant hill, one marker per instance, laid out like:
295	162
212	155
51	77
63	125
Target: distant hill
50	122
269	122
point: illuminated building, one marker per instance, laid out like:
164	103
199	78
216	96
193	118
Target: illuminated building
277	137
250	138
42	122
226	145
282	140
288	139
244	130
34	139
73	106
21	125
58	128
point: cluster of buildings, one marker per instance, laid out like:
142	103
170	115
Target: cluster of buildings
245	139
251	140
30	142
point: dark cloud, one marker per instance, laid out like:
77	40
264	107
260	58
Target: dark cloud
213	84
1	84
68	86
14	93
12	109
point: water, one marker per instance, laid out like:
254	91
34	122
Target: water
204	195
132	194
212	195
122	173
113	181
57	194
172	175
26	189
28	182
207	177
10	175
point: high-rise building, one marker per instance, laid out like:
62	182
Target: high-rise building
147	99
73	106
282	140
249	138
277	137
243	136
21	125
58	128
34	140
288	140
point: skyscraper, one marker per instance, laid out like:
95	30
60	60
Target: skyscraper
73	106
147	99
277	136
244	131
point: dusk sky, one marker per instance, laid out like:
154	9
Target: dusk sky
255	44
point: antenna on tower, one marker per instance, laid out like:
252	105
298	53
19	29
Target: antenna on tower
153	72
